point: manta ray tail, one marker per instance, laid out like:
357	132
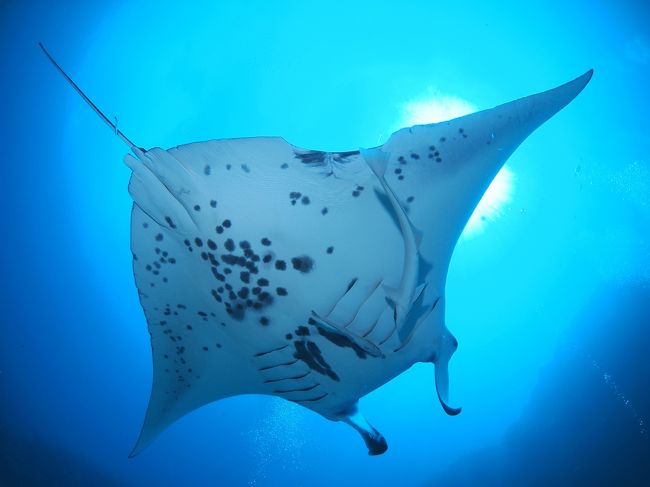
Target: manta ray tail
136	150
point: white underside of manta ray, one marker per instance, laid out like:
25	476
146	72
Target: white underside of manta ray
264	268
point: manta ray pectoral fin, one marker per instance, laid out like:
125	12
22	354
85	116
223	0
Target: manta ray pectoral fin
373	439
448	347
367	346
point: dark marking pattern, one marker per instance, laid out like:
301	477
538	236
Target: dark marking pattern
303	263
311	157
342	341
309	353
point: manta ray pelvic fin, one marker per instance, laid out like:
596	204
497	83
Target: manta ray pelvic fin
373	439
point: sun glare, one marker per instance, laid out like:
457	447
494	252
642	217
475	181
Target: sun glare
434	107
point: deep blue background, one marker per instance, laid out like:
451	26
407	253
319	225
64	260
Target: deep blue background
550	304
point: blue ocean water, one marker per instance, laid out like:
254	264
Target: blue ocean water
548	295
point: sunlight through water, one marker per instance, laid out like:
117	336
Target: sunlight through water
434	107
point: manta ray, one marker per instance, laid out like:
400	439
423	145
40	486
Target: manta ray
313	276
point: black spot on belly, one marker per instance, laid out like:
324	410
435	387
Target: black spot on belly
281	291
198	242
170	222
342	341
245	168
217	275
262	282
230	259
280	265
310	354
212	245
265	298
159	237
284	166
244	276
219	229
415	156
197	208
303	263
267	258
302	331
264	321
235	312
207	170
266	242
230	245
244	244
213	203
227	223
324	211
330	250
410	199
305	200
